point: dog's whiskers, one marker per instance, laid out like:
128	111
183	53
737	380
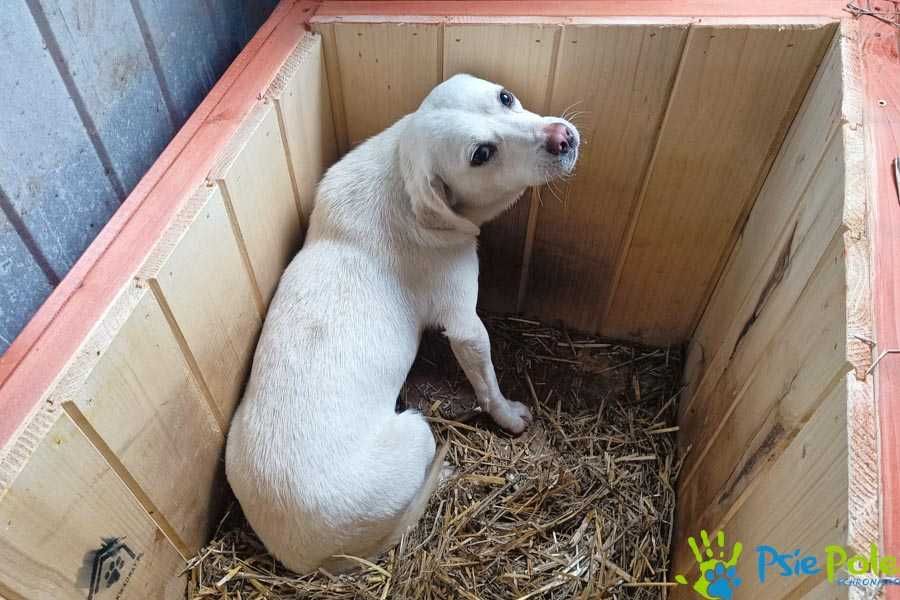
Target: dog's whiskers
570	107
549	185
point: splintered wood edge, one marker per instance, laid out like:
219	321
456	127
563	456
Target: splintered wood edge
32	428
297	59
240	140
252	122
863	520
14	457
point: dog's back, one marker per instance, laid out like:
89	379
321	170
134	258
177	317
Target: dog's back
316	454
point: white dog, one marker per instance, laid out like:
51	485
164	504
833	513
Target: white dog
320	461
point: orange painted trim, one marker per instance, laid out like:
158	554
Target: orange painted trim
881	58
42	350
334	9
715	21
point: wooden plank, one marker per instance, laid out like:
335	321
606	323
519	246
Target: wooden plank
255	13
256	183
51	174
864	526
132	399
62	508
335	85
881	98
204	285
521	58
811	242
801	365
386	71
816	124
22	294
620	78
113	76
586	8
52	338
780	512
824	590
694	202
227	46
302	99
173	31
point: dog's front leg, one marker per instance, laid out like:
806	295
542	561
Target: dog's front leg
472	348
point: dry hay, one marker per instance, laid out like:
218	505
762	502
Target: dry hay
580	506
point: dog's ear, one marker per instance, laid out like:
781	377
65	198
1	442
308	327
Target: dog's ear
432	204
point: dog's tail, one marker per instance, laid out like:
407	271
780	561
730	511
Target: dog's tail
417	507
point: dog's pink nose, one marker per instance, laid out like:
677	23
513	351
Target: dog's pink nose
559	138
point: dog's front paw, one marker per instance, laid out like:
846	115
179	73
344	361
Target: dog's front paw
512	416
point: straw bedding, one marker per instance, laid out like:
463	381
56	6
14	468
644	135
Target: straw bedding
580	506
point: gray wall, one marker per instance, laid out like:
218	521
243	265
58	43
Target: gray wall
91	91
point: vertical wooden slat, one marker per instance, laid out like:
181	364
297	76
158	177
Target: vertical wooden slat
519	57
207	289
302	99
257	187
21	295
617	79
172	31
133	398
107	61
722	129
761	321
335	85
755	413
386	71
51	175
59	512
770	222
800	503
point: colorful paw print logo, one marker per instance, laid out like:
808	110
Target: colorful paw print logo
718	576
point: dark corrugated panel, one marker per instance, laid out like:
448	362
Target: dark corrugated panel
90	93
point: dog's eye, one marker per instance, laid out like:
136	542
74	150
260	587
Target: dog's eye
482	154
506	99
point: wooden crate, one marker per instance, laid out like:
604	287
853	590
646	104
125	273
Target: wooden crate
734	195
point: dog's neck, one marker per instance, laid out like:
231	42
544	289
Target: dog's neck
481	214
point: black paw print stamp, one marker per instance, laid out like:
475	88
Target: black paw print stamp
112	571
111	566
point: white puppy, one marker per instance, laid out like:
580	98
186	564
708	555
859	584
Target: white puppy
317	456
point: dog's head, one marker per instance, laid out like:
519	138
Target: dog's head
471	149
